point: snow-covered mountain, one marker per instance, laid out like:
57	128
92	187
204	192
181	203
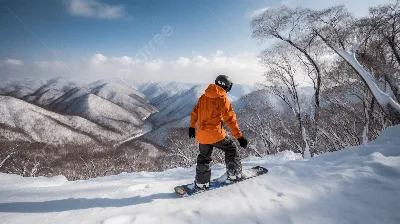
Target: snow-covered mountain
123	108
158	93
239	90
259	98
177	106
355	185
22	121
107	104
19	87
52	90
105	113
168	97
174	102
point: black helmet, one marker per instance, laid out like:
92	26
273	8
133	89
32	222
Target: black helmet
224	82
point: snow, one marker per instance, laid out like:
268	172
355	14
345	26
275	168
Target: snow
306	153
154	90
27	122
20	87
53	89
354	185
109	106
147	127
177	107
383	99
103	112
158	93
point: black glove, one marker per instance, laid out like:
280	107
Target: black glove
192	132
242	142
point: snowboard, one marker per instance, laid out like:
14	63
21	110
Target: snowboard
189	189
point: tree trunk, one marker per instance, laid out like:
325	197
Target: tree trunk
392	45
387	103
395	88
317	88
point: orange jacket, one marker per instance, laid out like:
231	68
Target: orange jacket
212	108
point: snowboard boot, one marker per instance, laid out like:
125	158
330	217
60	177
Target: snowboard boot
233	173
201	187
234	176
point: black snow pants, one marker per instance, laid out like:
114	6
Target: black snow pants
232	160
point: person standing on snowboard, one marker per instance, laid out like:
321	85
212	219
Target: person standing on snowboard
212	108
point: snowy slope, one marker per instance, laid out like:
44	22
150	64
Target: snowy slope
156	92
109	104
18	87
123	96
105	113
175	113
355	185
175	109
160	134
22	121
239	90
258	99
59	93
175	103
53	89
177	106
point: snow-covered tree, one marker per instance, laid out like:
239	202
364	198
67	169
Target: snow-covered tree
336	27
283	72
291	27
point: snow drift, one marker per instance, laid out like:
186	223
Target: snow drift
354	185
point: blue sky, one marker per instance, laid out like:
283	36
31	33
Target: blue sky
194	22
59	34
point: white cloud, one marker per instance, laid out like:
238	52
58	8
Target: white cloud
124	60
154	66
199	60
98	59
219	53
12	62
242	68
358	7
42	64
46	64
182	62
258	12
94	9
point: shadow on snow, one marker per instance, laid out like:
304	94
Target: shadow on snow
79	203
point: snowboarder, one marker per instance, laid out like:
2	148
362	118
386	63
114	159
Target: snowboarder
212	108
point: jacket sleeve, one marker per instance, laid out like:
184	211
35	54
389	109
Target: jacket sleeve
194	115
229	117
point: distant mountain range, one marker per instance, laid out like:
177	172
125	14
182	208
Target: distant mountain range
69	111
84	129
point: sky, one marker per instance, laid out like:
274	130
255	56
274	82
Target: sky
146	40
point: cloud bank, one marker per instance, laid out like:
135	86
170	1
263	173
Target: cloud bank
242	68
11	62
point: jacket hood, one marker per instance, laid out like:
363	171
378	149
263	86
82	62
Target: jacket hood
214	91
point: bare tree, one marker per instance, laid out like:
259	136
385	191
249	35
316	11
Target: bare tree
283	74
6	158
184	152
379	51
386	20
252	118
291	26
335	26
